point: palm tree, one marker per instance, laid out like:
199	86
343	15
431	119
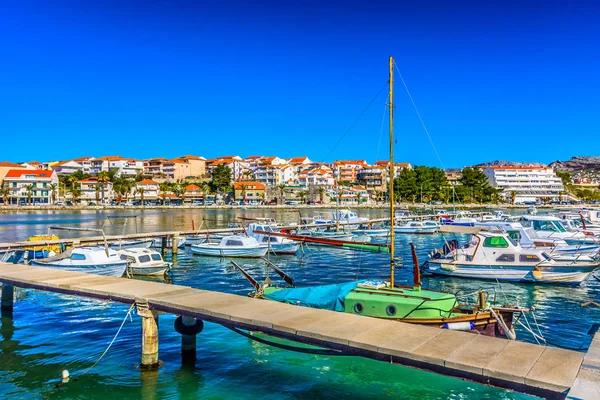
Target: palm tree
281	190
244	187
205	187
302	195
247	175
75	193
98	187
164	188
513	197
5	192
141	191
53	187
103	178
358	197
321	191
29	188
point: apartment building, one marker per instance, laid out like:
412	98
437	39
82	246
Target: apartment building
149	187
95	191
348	169
528	182
34	183
7	166
249	191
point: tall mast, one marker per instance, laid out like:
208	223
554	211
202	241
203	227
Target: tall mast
391	172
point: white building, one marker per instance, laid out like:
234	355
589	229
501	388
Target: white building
41	181
528	182
67	167
150	188
124	167
92	190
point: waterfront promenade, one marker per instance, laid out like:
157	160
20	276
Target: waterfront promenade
529	368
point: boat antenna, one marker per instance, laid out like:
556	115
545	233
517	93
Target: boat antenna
391	172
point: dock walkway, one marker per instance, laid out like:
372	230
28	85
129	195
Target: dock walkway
543	371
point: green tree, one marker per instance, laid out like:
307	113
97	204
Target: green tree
98	188
141	191
303	194
29	189
565	177
281	188
321	191
243	193
5	192
164	187
103	178
513	197
221	178
53	187
75	193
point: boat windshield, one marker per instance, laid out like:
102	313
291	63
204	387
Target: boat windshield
548	225
144	258
156	257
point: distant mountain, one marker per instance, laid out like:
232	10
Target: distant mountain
578	163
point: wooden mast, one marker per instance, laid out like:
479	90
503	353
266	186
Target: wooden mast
391	172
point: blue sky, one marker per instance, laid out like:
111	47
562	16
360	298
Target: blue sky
492	79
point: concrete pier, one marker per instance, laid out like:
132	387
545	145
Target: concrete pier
543	371
586	385
6	303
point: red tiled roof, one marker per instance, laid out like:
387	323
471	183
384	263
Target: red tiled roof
519	167
8	164
91	179
257	185
192	188
147	182
297	160
39	173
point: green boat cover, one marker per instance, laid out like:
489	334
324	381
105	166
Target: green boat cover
328	297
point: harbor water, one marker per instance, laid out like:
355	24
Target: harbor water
51	332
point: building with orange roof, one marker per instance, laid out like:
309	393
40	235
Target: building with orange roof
67	167
276	174
7	166
197	165
319	176
235	163
34	184
346	170
95	191
123	167
251	191
148	187
193	192
374	177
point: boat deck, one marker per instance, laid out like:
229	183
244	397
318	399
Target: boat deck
543	371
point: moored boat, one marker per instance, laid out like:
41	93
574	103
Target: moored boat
232	246
144	261
92	260
418	227
275	244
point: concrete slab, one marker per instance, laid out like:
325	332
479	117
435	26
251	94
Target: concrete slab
592	357
441	347
66	281
556	369
514	362
131	287
476	355
34	275
397	338
299	317
342	330
255	313
586	385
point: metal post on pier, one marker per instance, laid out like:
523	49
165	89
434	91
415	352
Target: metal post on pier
6	306
164	245
188	327
149	337
174	243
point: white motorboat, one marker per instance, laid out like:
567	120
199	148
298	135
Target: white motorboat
371	231
232	246
92	260
553	228
275	244
496	256
418	227
348	217
128	244
144	262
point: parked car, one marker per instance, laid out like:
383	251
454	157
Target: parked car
234	203
91	204
272	203
68	203
197	203
59	203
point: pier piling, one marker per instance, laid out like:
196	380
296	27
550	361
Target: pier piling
6	305
174	243
149	338
188	327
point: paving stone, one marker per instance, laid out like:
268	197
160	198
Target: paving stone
514	362
586	385
556	369
399	341
476	355
441	347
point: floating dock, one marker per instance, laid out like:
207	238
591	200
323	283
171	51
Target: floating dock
543	371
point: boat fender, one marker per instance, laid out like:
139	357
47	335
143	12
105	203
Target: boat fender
537	274
459	326
183	329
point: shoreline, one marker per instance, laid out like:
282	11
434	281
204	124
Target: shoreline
11	208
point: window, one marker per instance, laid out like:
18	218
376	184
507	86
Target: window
14	184
44	184
528	258
78	257
506	258
495	241
514	235
156	257
144	258
234	243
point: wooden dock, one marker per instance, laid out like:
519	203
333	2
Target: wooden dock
544	371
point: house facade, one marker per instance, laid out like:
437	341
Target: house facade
34	184
250	191
527	182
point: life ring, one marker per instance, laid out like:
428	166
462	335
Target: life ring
183	329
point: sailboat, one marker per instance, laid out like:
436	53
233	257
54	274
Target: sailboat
386	299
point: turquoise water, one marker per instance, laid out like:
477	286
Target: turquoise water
51	332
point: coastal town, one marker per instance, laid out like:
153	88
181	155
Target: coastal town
257	180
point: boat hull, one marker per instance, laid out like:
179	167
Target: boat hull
573	275
130	244
284	248
116	269
215	251
150	270
416	231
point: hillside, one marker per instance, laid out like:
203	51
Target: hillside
578	164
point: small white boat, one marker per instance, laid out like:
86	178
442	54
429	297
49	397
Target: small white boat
348	217
92	260
275	244
232	246
128	244
144	262
158	242
195	239
418	227
370	231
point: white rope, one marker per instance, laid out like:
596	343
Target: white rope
385	107
114	338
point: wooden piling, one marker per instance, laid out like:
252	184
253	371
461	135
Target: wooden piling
149	338
6	305
174	243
